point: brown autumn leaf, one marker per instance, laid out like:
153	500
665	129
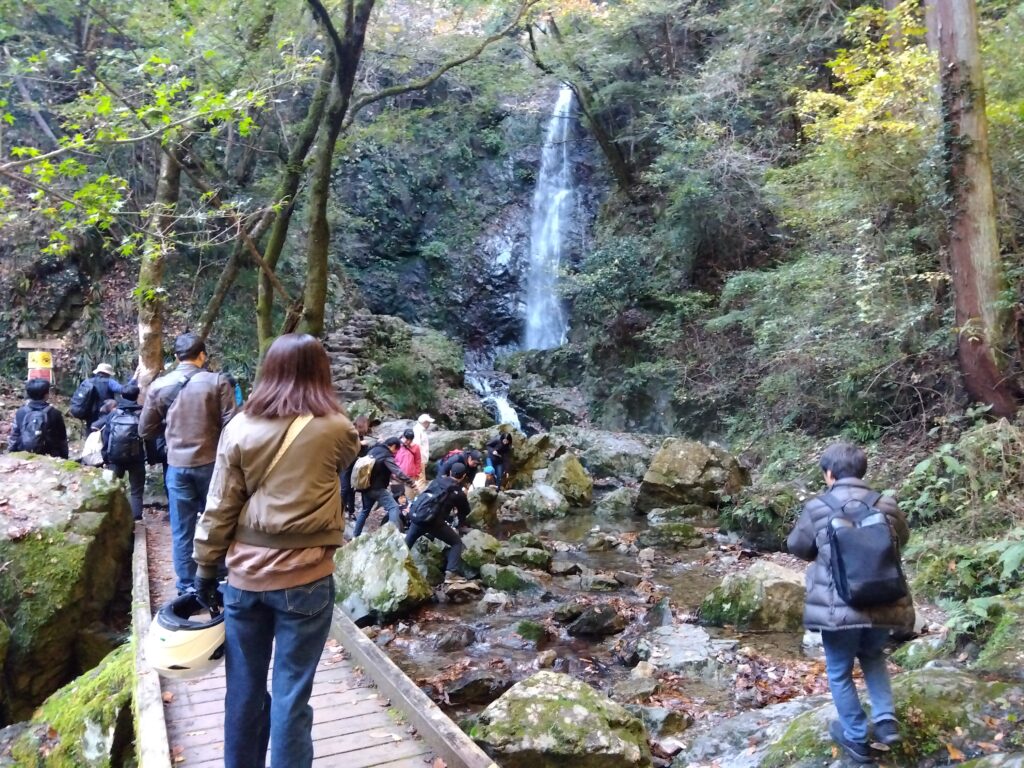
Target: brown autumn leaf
954	752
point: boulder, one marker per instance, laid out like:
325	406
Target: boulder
673	535
662	722
376	573
428	555
477	686
526	539
766	596
524	557
551	720
454	638
86	723
480	548
567	476
462	591
548	406
598	582
687	650
610	454
65	545
560	567
542	502
443	440
688	472
483	508
617	503
507	578
531	455
598	621
635	689
943	710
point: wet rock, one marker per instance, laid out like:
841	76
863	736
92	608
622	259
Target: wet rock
428	555
462	591
567	476
546	659
610	454
478	686
533	454
480	548
766	596
646	556
85	723
377	570
526	539
598	582
599	541
454	638
494	601
551	720
598	621
560	567
618	503
628	579
525	557
635	688
568	612
963	708
687	472
483	508
659	614
811	645
548	406
543	502
508	578
672	535
686	513
65	543
1002	760
662	722
686	649
442	441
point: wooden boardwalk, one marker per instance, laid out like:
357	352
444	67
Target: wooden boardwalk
356	722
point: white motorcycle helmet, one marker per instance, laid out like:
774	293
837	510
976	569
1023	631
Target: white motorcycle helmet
180	646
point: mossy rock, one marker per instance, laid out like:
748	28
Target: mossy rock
376	573
938	709
508	578
673	535
766	596
567	476
480	548
67	545
526	539
552	720
483	508
86	724
524	557
688	472
617	503
542	502
921	650
1003	651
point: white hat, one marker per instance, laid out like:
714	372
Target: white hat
106	368
425	418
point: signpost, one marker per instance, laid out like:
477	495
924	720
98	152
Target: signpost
40	357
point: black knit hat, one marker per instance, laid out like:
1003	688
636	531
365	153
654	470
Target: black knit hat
458	470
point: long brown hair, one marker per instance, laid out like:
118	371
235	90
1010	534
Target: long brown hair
295	379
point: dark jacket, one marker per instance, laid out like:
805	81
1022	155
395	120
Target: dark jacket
457	458
384	468
823	608
499	451
454	500
103	424
106	387
191	415
54	431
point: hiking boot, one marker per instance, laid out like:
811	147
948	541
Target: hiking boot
857	751
886	733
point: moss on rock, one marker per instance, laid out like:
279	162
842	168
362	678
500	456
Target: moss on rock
764	597
376	572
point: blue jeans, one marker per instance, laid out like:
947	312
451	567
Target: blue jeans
842	646
386	500
294	624
186	494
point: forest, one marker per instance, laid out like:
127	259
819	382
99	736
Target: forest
782	223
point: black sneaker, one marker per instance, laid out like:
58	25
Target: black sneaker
857	751
886	733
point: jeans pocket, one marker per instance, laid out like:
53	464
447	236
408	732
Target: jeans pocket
309	599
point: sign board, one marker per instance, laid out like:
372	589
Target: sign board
40	359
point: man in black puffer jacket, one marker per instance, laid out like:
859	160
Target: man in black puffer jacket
850	633
380	478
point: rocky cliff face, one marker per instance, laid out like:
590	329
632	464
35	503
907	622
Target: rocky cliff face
66	543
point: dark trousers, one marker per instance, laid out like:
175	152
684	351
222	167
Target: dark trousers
136	484
348	493
444	532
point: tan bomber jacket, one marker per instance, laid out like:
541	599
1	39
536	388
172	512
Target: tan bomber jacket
297	506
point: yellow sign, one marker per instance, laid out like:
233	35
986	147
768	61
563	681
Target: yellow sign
40	359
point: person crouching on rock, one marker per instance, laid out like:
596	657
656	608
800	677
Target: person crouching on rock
430	513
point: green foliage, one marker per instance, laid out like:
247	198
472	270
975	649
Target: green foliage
406	386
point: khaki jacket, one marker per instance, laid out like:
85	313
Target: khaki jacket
194	414
297	506
824	609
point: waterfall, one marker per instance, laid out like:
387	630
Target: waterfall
546	321
493	392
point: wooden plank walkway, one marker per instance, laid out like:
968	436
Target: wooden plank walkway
355	725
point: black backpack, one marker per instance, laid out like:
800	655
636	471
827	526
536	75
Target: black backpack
866	568
85	403
33	430
428	507
124	446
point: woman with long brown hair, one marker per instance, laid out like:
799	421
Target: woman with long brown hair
273	517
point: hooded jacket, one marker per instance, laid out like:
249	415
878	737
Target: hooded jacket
385	468
823	608
54	432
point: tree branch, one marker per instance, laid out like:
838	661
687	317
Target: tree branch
424	82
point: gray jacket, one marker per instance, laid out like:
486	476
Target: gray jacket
823	608
194	414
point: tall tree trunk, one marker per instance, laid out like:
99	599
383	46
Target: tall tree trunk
611	150
285	195
150	292
348	50
972	242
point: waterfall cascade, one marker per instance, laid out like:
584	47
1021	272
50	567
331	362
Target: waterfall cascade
553	202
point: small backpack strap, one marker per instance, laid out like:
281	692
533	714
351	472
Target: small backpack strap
297	425
831	502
